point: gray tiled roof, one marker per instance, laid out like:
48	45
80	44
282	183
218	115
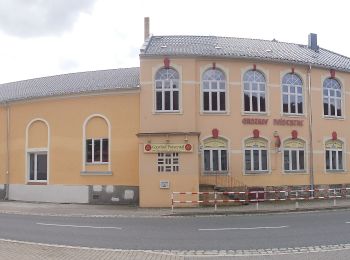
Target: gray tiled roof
212	46
70	84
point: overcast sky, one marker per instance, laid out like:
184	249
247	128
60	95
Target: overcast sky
48	37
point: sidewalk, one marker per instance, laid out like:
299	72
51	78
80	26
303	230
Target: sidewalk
88	210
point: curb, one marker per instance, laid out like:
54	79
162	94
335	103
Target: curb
228	213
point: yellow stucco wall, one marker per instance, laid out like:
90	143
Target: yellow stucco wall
192	118
66	117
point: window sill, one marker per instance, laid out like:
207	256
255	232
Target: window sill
37	183
96	173
210	113
341	118
294	115
97	163
256	172
172	112
295	172
246	113
335	171
215	173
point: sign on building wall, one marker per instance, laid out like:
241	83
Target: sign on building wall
294	143
255	143
168	148
334	144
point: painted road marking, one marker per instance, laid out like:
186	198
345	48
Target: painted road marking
75	226
241	228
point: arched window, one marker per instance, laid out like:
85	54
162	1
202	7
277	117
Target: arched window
294	155
332	98
254	91
334	155
292	89
96	143
214	90
167	90
215	155
37	149
256	155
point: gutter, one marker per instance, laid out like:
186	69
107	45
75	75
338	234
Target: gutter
311	151
7	183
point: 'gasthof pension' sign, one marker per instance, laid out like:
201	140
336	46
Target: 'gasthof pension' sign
167	148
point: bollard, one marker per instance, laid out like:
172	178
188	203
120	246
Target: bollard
335	198
257	199
296	199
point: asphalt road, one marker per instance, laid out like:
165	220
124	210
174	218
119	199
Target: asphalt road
183	233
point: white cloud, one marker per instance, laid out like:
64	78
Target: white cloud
31	18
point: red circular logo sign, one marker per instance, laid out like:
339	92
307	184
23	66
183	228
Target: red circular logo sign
188	147
148	147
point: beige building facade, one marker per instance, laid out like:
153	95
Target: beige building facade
199	113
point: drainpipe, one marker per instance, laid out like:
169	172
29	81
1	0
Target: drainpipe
7	151
311	151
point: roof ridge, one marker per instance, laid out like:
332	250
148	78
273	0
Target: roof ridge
230	37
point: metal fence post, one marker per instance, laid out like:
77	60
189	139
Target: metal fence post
215	198
296	199
257	199
172	202
335	198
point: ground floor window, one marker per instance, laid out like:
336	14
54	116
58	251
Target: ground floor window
38	166
294	155
215	155
255	155
97	150
334	155
215	160
168	162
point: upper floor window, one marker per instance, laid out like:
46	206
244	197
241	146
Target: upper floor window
292	94
256	155
332	98
254	91
167	90
334	155
215	153
214	90
294	155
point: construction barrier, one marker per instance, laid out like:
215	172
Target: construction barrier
291	195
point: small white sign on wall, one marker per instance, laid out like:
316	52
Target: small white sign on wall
164	184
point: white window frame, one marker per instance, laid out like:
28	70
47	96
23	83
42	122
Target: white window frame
289	94
211	162
250	92
93	151
334	97
337	159
251	151
297	150
163	89
37	152
172	161
211	90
